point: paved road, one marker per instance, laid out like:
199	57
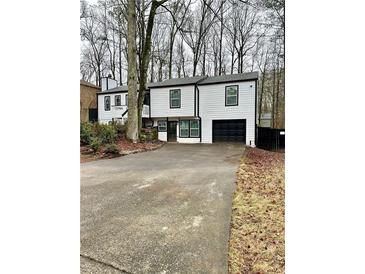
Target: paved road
164	211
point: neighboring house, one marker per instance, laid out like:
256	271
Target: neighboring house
205	109
88	106
113	104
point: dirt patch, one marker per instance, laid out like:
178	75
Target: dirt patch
125	147
257	225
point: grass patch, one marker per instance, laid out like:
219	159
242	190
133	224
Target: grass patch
257	227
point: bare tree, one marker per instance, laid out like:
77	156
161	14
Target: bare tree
178	11
146	58
184	38
197	26
93	32
132	125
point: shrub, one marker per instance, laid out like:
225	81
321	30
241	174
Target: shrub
95	144
106	133
154	134
149	134
86	133
111	149
120	129
143	137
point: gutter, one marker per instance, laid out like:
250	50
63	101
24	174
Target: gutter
196	107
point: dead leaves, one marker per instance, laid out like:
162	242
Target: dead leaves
257	226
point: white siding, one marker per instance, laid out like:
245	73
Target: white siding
162	136
188	140
115	111
111	83
160	102
212	107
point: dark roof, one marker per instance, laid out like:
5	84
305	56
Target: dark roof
230	78
120	89
84	83
177	82
201	80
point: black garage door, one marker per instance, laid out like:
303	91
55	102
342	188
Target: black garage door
229	131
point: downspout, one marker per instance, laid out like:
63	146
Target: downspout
195	100
198	99
200	119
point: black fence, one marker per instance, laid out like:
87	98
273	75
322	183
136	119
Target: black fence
270	138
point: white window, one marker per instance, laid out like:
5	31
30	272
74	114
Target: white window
107	103
117	100
162	126
184	129
232	95
175	98
194	128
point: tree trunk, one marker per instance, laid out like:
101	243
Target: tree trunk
145	59
132	126
152	69
120	58
221	41
204	58
277	98
273	101
261	95
171	48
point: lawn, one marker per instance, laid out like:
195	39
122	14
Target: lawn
257	242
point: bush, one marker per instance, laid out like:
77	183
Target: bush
111	149
149	134
106	133
86	133
95	144
120	129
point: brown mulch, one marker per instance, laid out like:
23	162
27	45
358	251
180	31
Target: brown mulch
125	148
257	225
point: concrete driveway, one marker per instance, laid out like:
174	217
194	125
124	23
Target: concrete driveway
164	211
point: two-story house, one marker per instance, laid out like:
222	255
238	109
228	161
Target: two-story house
197	109
205	109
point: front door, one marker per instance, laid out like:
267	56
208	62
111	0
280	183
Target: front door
171	131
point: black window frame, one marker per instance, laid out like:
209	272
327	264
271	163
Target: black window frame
189	128
170	91
115	100
158	125
105	104
225	97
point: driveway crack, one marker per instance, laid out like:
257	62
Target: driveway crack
105	264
